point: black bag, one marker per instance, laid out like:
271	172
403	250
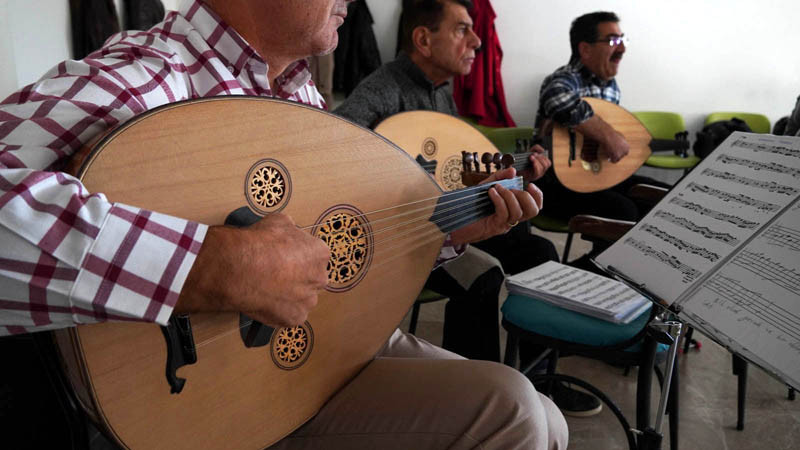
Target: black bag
714	133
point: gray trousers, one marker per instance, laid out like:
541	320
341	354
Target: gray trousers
417	396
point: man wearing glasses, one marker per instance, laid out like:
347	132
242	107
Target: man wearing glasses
598	45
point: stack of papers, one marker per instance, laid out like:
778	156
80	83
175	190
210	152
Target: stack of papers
580	291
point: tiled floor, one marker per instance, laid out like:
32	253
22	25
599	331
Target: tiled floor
707	396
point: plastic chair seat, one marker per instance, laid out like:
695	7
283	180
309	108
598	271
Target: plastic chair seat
552	321
672	161
549	223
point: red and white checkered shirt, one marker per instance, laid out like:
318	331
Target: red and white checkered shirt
68	256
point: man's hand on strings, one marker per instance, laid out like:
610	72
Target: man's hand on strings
511	207
539	164
271	271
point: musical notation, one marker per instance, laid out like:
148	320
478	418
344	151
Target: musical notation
688	273
785	237
770	186
756	165
723	217
758	311
706	232
680	244
737	198
769	270
778	150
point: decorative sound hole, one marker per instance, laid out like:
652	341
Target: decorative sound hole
451	174
292	346
429	148
349	238
268	186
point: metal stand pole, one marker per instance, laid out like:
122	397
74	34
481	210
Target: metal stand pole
650	438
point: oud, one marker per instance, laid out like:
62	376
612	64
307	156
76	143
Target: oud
223	380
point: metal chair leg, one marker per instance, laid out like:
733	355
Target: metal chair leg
567	246
512	347
412	325
672	407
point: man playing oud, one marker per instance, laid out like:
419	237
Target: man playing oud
598	45
66	254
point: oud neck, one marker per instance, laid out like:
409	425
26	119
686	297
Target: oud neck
462	207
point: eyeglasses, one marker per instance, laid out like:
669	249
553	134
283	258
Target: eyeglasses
613	40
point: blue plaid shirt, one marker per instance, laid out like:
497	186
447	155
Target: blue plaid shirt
561	92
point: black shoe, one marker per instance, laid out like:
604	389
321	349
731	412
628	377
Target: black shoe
573	402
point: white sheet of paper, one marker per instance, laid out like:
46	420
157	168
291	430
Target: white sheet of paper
729	196
724	246
591	293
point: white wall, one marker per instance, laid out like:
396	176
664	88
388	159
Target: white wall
688	56
35	35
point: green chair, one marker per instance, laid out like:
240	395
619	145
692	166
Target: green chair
426	296
482	128
665	125
759	123
509	140
506	139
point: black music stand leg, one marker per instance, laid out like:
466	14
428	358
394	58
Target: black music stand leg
740	370
688	341
791	395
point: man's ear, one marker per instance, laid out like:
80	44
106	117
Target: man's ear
421	38
583	49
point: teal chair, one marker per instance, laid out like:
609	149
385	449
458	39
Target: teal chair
665	125
564	332
510	140
759	123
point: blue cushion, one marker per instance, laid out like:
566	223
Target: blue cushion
546	319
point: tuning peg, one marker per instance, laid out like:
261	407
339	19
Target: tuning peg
466	160
487	161
497	158
507	161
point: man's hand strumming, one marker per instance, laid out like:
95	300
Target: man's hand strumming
271	271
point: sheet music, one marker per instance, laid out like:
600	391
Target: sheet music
730	195
579	290
724	246
754	300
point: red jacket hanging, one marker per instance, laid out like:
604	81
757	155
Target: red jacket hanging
480	94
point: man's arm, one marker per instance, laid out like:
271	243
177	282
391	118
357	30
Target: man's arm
69	256
562	104
368	104
611	142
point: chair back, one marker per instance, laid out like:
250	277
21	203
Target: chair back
484	129
505	139
759	123
661	124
